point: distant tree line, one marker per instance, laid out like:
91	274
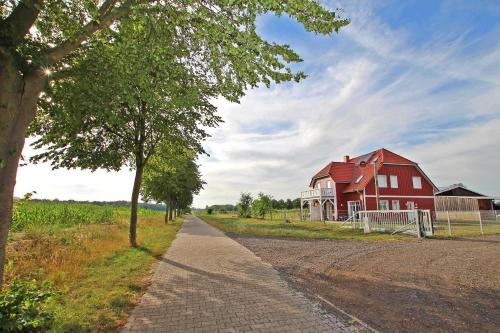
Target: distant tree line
259	207
117	203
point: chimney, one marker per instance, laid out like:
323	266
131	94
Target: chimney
346	158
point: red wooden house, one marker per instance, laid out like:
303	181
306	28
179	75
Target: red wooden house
380	180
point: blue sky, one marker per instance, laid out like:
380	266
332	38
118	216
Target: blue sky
421	78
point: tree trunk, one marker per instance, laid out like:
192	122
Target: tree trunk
134	204
18	97
170	211
166	213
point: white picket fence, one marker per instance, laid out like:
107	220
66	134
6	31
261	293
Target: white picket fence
417	222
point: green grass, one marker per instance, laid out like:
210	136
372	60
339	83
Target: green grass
466	229
296	229
100	300
89	263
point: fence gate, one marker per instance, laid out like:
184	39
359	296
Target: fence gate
416	221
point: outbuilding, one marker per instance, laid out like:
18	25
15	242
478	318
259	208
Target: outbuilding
463	203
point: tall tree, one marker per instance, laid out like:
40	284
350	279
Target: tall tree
42	40
121	104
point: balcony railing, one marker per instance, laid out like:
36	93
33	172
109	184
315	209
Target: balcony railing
318	192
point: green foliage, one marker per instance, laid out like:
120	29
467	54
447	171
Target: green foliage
23	307
245	205
262	205
209	211
172	177
222	208
122	100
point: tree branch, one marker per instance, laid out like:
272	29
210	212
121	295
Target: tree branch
110	15
18	23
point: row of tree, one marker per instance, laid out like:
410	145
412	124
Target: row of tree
263	204
114	83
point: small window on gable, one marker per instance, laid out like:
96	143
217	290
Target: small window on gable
382	180
318	185
394	181
328	184
417	182
359	179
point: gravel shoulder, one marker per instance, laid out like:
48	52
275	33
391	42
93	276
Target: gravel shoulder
396	286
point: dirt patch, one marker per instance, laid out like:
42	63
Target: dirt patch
398	286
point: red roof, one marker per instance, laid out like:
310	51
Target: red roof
363	165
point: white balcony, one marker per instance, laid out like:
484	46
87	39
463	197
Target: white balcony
318	193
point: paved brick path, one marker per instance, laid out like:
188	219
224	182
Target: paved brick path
206	282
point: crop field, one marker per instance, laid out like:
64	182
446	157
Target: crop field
83	251
32	214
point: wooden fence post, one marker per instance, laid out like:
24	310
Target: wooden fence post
449	225
480	222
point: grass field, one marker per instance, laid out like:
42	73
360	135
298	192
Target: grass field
466	229
295	229
88	261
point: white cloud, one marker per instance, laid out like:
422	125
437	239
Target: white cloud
433	102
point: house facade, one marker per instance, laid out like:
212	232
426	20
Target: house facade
380	180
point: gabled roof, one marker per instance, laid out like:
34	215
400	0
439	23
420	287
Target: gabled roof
363	165
458	190
340	172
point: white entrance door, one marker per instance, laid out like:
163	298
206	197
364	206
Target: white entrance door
353	207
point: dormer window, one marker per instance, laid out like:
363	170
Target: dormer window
359	179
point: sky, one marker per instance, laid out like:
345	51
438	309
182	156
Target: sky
420	78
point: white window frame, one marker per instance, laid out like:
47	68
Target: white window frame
394	181
418	184
397	204
379	178
328	184
382	203
318	185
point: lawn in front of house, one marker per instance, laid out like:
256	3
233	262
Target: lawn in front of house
294	229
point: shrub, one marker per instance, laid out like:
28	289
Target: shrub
22	307
209	210
245	205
